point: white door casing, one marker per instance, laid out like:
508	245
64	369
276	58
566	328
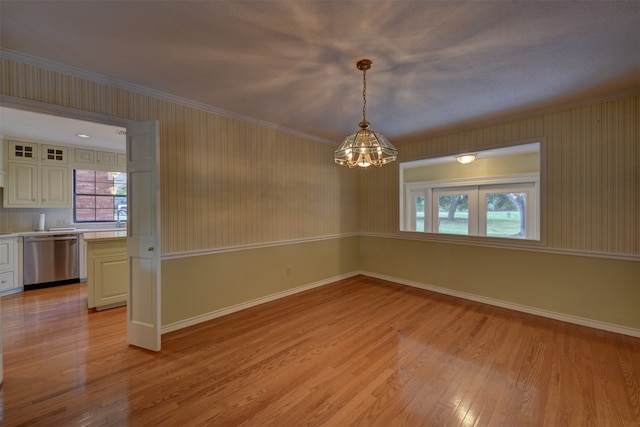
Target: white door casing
143	236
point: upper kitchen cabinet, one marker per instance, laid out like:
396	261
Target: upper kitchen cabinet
23	151
38	176
108	161
54	154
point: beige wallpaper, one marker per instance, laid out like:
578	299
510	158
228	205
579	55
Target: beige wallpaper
229	183
224	182
592	171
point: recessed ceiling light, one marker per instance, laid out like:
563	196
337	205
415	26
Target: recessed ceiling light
83	135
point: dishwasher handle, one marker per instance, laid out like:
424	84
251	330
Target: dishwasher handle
49	238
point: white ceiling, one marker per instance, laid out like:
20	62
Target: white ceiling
62	130
291	63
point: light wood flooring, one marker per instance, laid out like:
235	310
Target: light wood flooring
361	352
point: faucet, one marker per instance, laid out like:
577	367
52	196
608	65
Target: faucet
118	212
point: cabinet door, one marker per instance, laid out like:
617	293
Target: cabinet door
7	281
23	185
84	156
110	280
8	264
23	151
106	158
56	191
121	161
6	254
54	154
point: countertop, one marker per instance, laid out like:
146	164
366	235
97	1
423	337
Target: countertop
96	233
105	235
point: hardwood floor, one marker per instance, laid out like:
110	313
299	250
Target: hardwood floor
358	352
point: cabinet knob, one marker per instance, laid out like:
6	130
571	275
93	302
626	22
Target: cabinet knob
150	249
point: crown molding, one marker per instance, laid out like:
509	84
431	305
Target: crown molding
143	90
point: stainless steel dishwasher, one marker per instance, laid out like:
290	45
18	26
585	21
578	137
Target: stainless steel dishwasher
50	259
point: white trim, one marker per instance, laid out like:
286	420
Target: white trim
142	90
188	254
228	310
624	330
477	181
499	243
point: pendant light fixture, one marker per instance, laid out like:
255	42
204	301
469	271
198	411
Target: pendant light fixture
365	147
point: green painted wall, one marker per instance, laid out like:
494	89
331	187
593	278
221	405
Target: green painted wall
200	285
600	289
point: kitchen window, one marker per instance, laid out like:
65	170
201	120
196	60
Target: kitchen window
99	196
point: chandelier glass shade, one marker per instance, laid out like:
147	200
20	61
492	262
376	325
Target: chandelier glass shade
365	147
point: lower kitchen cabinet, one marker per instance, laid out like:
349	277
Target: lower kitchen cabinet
107	278
9	266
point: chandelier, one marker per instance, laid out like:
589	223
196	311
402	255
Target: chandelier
365	147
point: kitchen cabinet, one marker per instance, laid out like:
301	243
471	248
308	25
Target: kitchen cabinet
54	154
84	156
109	161
38	176
32	186
106	158
22	185
107	275
23	151
9	265
55	184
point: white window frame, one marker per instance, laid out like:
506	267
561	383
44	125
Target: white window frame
476	189
470	191
529	188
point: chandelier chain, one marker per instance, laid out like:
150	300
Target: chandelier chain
364	95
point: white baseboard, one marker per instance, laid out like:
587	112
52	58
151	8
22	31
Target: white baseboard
228	310
512	306
464	295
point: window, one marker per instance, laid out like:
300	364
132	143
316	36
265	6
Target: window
99	196
500	198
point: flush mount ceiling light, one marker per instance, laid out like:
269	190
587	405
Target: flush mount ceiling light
82	135
465	159
365	147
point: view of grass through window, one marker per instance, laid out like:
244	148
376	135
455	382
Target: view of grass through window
453	214
506	215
